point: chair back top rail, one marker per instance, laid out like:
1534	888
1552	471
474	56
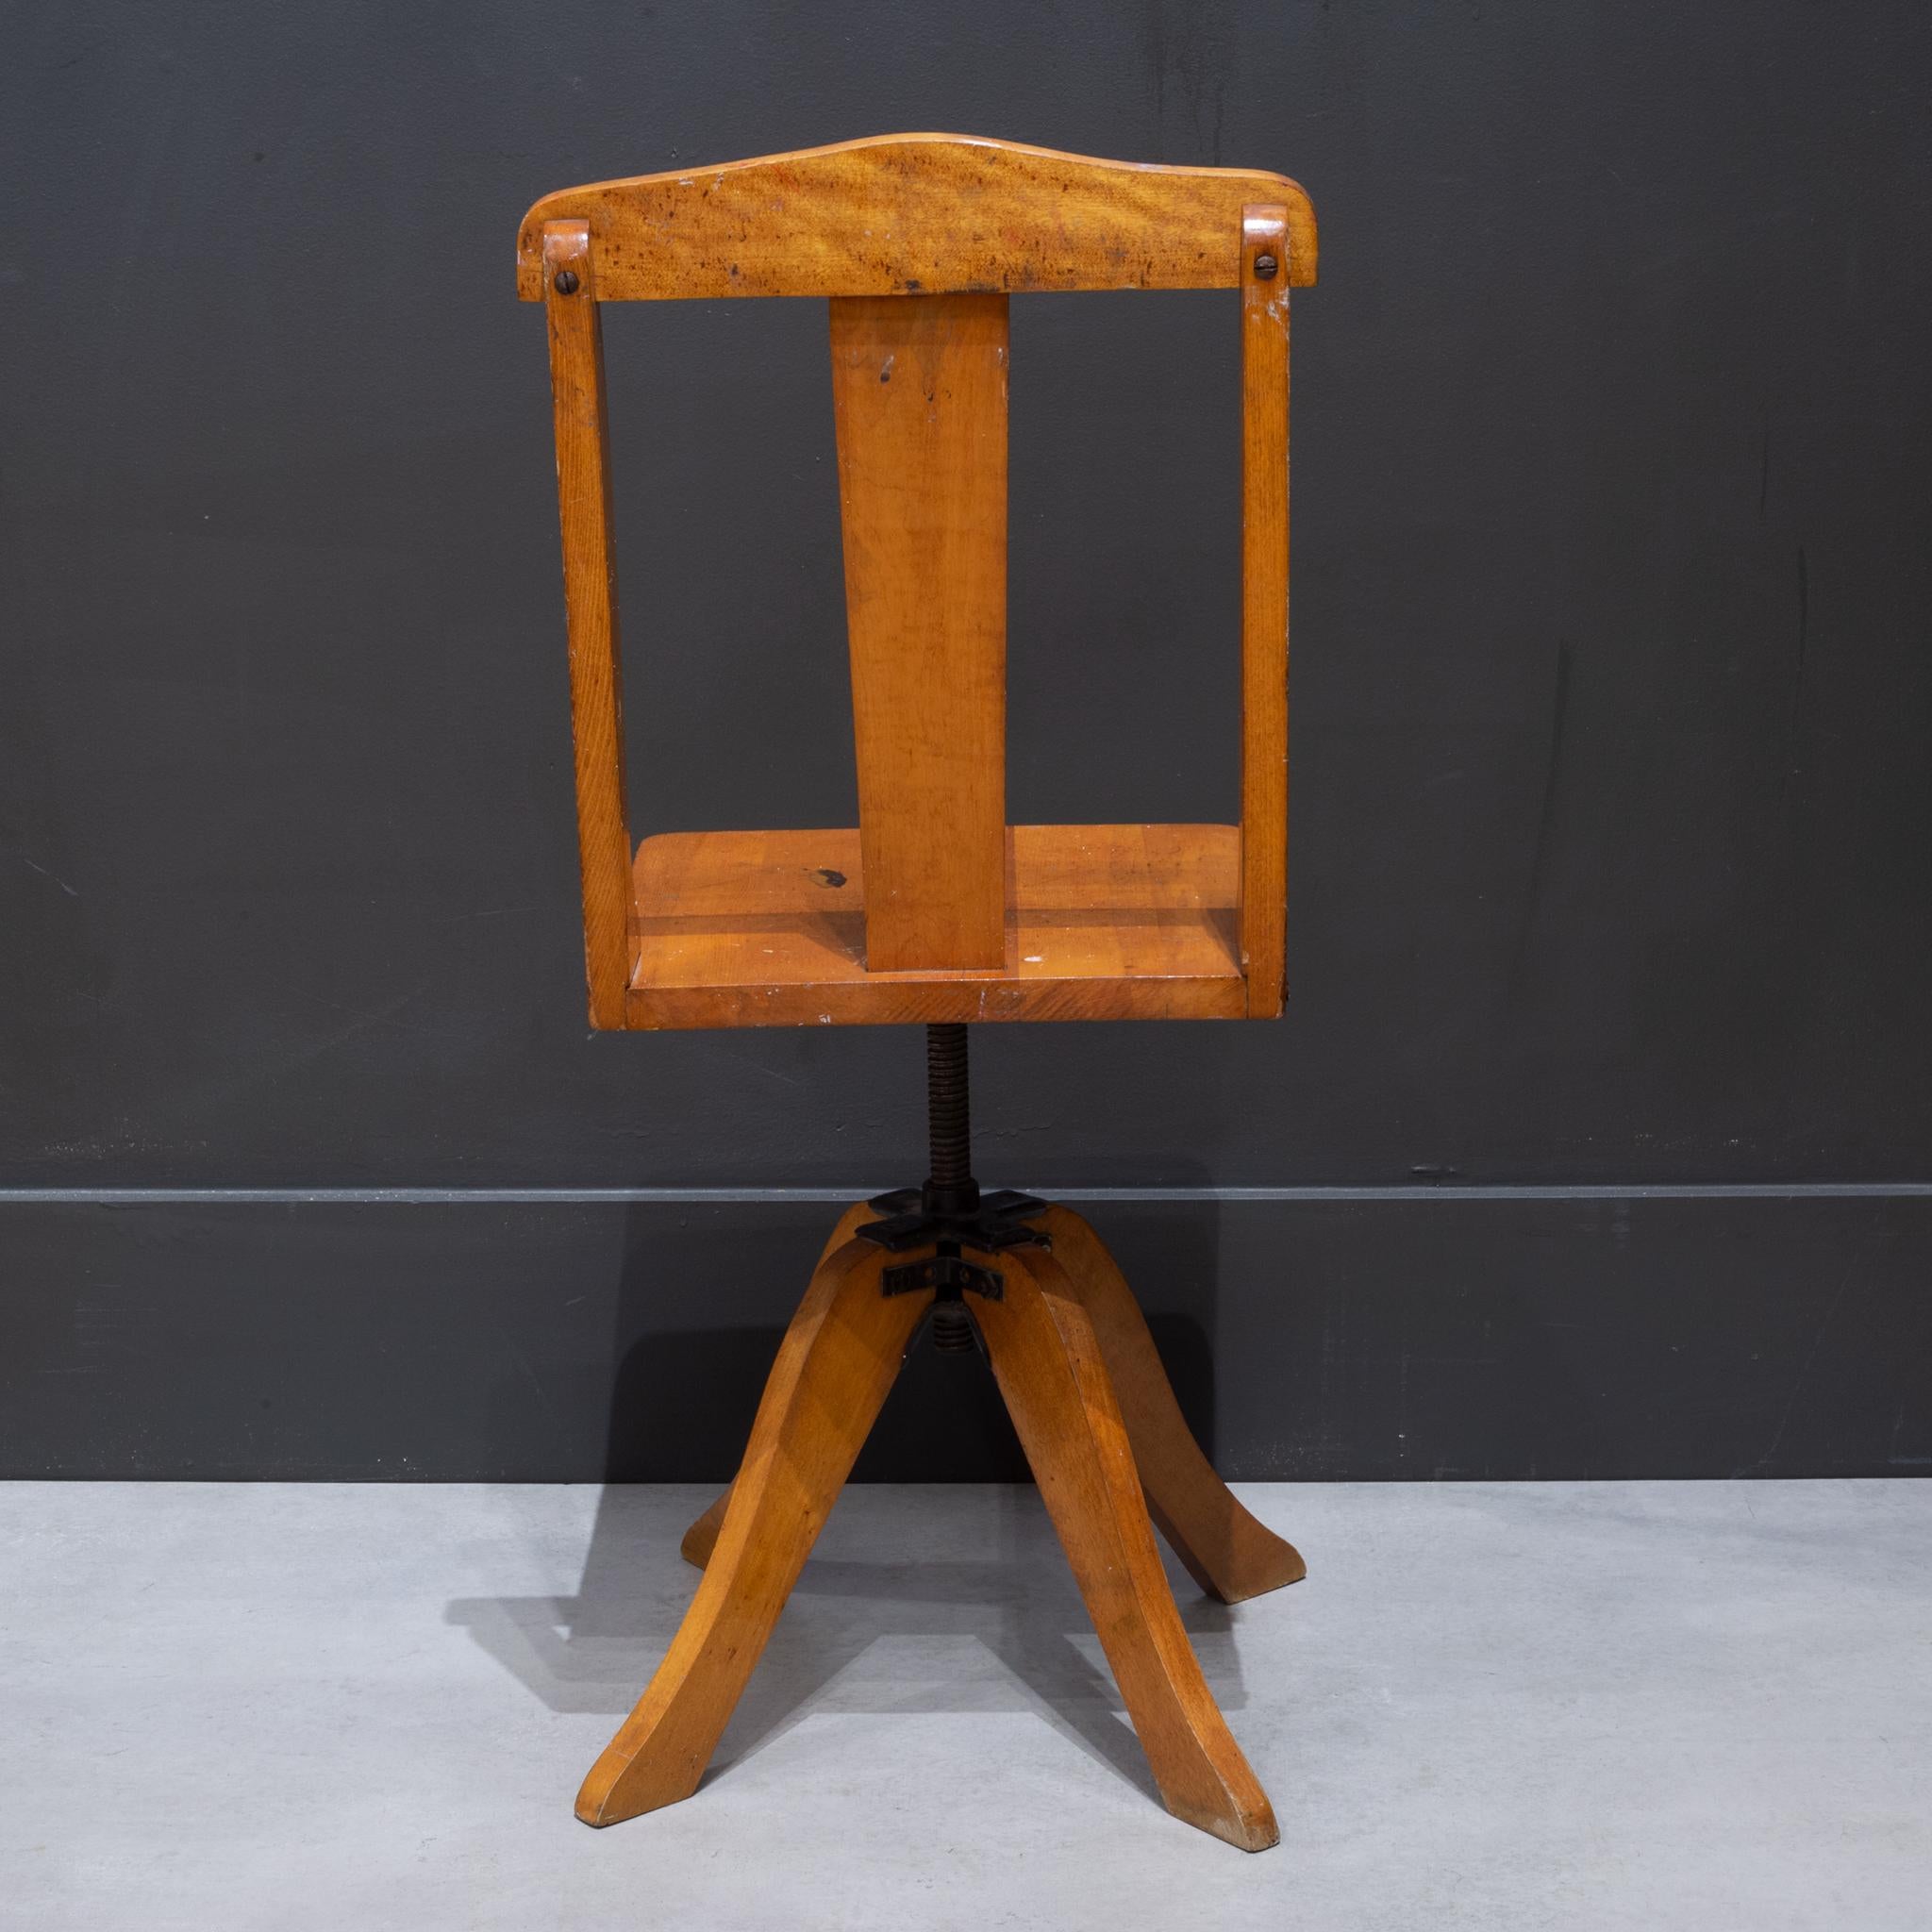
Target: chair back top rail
917	214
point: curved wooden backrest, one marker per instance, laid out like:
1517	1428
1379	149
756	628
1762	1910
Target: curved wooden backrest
916	214
917	239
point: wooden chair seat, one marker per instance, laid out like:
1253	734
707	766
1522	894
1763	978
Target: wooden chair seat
1102	923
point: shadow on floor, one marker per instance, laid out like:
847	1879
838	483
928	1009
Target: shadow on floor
943	1599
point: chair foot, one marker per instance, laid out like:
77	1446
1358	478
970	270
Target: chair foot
1050	1368
839	1360
1225	1550
701	1538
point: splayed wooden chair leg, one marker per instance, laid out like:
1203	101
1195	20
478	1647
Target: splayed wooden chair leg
702	1537
1050	1368
839	1359
1228	1552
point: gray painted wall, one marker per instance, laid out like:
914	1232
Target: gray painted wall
1611	704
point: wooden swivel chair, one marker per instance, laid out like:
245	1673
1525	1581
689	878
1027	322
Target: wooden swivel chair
934	909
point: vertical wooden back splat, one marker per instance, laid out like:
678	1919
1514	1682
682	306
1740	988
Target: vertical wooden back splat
1264	605
590	586
919	385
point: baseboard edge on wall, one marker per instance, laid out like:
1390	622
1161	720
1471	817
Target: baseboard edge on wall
567	1196
1371	1333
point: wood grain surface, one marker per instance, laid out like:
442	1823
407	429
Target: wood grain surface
839	1358
701	1538
767	928
1054	1378
1264	608
911	213
590	589
1228	1552
919	388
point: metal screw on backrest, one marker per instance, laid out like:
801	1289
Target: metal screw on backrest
567	281
1265	266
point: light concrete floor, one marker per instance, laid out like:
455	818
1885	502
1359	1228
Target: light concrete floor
1601	1706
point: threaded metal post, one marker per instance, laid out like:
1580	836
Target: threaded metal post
950	1189
948	1102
